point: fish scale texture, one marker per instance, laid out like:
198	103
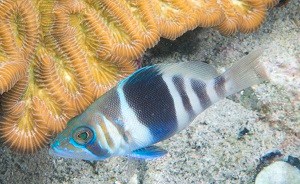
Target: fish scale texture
57	57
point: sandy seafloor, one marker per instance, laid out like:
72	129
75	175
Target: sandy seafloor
209	151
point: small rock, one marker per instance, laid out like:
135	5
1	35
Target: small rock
270	156
293	161
279	173
242	133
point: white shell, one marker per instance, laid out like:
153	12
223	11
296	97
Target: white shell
279	173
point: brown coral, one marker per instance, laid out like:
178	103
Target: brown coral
58	56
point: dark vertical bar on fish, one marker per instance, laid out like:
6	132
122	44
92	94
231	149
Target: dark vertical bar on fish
155	110
219	86
180	87
199	88
111	109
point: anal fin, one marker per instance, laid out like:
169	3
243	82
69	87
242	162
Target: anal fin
150	152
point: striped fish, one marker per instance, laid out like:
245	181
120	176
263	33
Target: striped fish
151	105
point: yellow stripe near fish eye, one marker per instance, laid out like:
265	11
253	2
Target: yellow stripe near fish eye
107	136
103	137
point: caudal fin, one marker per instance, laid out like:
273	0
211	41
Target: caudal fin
245	73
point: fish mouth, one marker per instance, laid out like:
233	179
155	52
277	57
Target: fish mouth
59	149
53	150
56	151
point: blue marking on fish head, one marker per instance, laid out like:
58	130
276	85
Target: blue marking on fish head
78	141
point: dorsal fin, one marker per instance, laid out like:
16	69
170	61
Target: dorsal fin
142	74
196	70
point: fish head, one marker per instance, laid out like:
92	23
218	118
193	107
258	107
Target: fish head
80	140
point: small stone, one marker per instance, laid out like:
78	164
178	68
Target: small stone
270	156
293	161
279	173
242	132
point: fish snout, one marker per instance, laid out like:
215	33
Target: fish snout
54	148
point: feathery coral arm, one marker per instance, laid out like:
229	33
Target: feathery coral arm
18	127
11	100
19	37
19	26
270	3
105	73
207	13
170	19
10	73
248	15
146	24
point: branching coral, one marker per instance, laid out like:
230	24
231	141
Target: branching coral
58	56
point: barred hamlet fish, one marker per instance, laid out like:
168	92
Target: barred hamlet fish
151	105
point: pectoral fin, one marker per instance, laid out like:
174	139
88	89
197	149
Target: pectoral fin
151	152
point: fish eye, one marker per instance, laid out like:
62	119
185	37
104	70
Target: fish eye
83	135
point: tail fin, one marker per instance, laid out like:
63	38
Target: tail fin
245	73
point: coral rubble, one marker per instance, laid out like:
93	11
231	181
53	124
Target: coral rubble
58	56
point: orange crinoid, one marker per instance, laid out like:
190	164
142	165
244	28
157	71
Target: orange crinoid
58	56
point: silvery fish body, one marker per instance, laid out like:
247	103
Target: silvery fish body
149	106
